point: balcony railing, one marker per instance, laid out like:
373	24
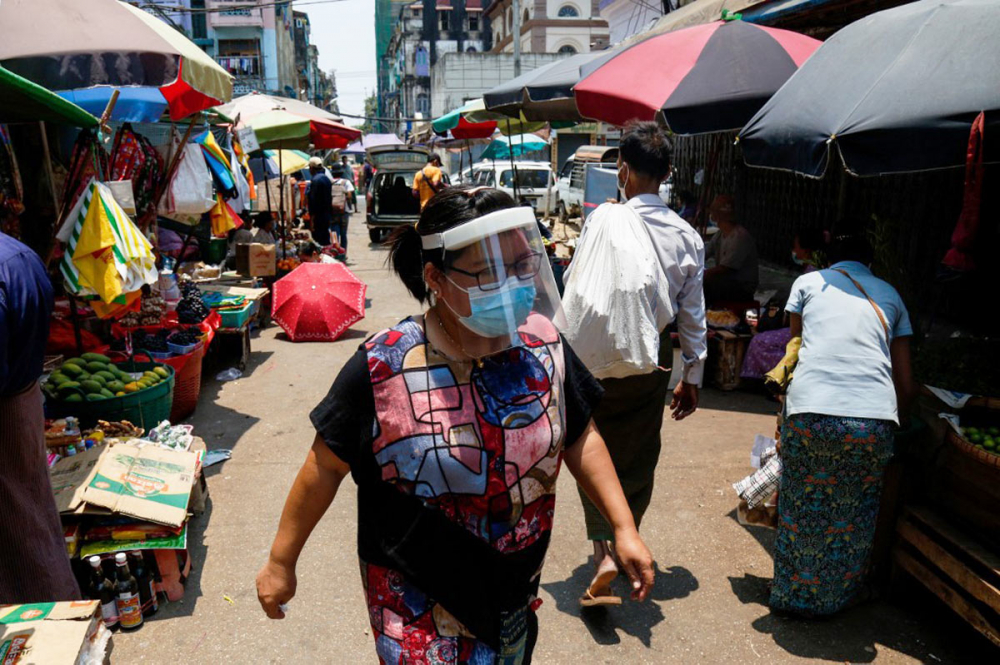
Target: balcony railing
244	85
235	13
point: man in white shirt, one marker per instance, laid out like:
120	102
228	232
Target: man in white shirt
631	413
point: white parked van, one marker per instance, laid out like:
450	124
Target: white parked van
535	181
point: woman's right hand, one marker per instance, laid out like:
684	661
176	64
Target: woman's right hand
275	587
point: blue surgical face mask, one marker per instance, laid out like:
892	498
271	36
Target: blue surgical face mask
499	312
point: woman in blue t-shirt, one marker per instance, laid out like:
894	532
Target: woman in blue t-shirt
852	386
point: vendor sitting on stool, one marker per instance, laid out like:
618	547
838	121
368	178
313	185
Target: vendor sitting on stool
734	276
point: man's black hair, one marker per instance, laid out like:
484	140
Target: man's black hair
433	157
646	149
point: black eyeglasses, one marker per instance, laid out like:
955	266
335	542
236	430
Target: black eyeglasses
492	277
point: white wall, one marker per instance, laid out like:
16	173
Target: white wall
458	77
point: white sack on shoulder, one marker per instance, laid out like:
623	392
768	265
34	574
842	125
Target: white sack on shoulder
616	299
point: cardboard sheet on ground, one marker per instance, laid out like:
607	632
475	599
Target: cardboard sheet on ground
51	633
149	483
70	477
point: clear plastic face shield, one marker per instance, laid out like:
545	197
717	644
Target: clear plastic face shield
499	283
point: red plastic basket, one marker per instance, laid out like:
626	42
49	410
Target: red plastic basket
187	386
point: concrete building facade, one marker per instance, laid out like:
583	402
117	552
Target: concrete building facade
549	26
460	77
419	40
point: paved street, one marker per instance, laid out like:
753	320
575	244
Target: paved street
709	603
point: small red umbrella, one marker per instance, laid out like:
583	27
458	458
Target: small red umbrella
318	301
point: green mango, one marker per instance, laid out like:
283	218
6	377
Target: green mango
94	397
91	386
95	366
73	397
96	356
106	394
69	369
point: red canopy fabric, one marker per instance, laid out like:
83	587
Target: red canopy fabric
706	78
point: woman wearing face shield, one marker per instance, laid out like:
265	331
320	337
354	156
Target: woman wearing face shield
454	426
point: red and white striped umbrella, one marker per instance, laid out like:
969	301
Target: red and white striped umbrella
706	78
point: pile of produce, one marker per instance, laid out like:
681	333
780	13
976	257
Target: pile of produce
93	377
184	337
986	438
150	312
288	264
191	308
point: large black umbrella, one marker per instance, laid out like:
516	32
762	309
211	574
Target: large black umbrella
545	93
894	92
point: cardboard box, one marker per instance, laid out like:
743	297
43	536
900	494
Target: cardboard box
51	633
256	259
149	483
71	475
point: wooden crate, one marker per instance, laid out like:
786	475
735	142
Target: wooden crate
954	565
726	358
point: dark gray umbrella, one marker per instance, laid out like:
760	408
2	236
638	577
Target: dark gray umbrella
894	92
545	93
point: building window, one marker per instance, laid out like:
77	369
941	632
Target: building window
473	23
444	18
510	20
416	12
569	11
421	62
199	29
424	104
525	18
566	50
471	49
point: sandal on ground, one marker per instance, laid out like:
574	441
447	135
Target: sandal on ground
602	581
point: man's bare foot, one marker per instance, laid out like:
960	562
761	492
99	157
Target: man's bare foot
599	592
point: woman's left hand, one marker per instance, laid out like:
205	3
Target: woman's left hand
635	558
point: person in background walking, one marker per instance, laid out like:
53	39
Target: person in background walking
320	195
340	193
851	387
368	172
735	275
454	426
35	567
631	413
429	181
348	173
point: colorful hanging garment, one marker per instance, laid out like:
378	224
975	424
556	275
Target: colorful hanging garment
224	218
106	256
244	160
218	164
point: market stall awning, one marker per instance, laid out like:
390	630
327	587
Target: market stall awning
289	123
371	141
896	92
545	93
696	13
698	87
101	45
24	101
508	147
290	161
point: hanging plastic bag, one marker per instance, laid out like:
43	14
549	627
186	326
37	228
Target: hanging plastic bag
616	299
190	191
242	200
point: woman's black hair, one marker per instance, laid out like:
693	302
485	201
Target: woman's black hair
851	247
262	219
450	208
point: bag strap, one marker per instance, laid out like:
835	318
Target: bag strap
878	310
